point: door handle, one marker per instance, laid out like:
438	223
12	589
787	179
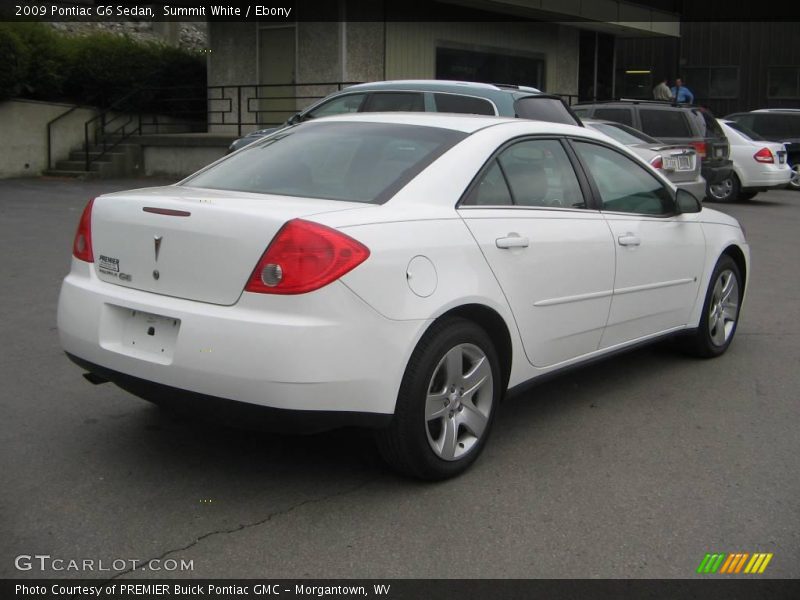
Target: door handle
629	239
513	240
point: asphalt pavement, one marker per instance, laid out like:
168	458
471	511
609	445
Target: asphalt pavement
632	467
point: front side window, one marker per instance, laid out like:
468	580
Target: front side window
349	103
534	173
395	101
356	162
624	185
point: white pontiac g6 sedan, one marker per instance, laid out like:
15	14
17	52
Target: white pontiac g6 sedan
395	271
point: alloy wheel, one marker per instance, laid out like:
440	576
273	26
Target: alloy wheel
724	308
459	402
794	182
721	190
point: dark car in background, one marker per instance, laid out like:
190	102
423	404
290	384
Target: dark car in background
462	97
776	125
671	124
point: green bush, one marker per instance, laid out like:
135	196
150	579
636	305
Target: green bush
13	65
47	61
98	69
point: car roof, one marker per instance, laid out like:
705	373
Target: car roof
632	102
788	111
457	122
488	90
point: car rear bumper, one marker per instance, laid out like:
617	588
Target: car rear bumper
768	177
323	351
697	187
229	412
716	171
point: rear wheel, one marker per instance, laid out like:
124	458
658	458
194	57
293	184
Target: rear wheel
794	182
446	405
720	311
726	190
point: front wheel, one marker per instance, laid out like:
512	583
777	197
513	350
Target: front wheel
447	402
720	311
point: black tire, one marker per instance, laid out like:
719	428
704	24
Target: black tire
407	445
794	183
726	190
746	196
708	341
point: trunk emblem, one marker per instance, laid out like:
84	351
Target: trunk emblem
157	243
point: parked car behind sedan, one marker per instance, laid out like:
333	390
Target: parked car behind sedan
395	271
428	95
672	124
679	163
758	165
780	125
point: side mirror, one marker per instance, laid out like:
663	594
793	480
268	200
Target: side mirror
687	202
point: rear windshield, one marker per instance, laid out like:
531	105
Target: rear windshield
708	125
544	109
623	134
356	162
747	133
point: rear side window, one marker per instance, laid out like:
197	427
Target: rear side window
776	126
349	103
491	190
454	103
543	108
394	101
619	115
356	162
665	123
535	173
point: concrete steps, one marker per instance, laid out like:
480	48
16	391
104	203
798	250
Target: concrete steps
124	160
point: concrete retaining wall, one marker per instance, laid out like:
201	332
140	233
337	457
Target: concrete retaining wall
23	129
179	155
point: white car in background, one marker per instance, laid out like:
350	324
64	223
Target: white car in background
397	271
758	165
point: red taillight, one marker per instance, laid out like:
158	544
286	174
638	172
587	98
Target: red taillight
764	156
82	246
657	162
303	257
700	148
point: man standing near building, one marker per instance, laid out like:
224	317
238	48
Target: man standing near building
661	91
682	94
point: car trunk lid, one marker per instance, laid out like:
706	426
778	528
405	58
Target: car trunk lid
191	243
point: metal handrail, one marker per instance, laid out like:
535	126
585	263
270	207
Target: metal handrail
49	133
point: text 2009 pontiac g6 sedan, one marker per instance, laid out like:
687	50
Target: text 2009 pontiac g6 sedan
398	272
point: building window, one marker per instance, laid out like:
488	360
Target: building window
783	82
712	83
487	66
635	83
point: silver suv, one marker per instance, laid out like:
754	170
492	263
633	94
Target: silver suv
430	95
